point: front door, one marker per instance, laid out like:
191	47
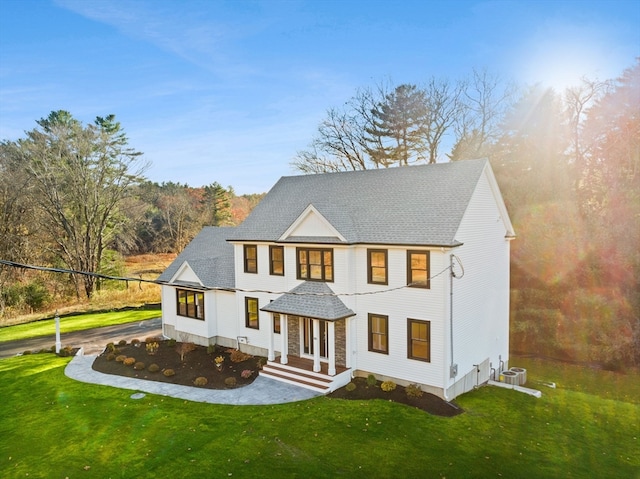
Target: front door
307	338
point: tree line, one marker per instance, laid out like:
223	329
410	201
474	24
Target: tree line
75	196
568	164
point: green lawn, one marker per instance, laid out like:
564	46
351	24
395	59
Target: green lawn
53	426
80	322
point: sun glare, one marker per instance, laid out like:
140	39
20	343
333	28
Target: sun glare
559	56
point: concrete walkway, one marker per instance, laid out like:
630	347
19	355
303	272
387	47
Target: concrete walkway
261	391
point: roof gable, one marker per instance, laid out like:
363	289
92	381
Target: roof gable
185	274
311	224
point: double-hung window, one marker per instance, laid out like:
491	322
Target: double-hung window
190	303
315	264
276	260
419	340
251	313
379	333
250	258
418	269
377	266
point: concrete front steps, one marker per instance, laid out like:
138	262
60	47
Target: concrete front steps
299	372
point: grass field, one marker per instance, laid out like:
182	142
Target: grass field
53	426
68	324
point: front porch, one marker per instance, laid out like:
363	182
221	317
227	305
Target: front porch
300	372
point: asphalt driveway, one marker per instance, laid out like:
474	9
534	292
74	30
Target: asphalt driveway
92	340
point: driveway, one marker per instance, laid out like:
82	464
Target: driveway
92	340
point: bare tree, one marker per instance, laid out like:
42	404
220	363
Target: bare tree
577	100
444	107
80	177
341	142
486	100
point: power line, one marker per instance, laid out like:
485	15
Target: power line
14	264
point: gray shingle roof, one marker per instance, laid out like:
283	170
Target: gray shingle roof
210	256
415	205
310	300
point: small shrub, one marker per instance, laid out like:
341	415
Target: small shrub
413	391
152	348
211	349
111	347
171	343
261	362
388	386
350	387
200	381
122	342
120	358
371	380
139	366
111	356
135	342
65	352
27	352
230	381
153	368
169	372
246	373
238	356
129	361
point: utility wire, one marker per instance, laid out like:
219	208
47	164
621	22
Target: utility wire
14	264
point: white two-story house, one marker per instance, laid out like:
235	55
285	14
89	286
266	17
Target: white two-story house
402	273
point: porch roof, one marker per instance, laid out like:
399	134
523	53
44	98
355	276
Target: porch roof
310	299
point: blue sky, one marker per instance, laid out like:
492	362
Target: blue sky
229	91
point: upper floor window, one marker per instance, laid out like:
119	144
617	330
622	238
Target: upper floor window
276	260
419	339
418	269
250	258
315	264
251	313
379	333
190	303
377	266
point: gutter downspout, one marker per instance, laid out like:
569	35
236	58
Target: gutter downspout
453	368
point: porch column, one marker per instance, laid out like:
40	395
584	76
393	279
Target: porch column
316	345
284	338
272	354
331	340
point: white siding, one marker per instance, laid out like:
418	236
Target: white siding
399	305
481	297
218	305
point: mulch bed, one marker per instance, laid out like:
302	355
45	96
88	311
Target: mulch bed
200	362
427	402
